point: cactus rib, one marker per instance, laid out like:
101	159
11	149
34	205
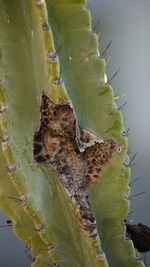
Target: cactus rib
29	66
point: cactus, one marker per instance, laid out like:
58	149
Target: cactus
41	44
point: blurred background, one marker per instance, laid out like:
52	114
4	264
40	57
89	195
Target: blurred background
126	24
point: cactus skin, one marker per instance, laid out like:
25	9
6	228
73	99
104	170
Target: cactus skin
23	226
25	71
92	98
23	78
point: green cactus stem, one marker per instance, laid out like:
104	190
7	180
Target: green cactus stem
29	68
23	226
85	80
24	74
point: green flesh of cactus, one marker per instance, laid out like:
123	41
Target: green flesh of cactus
25	70
23	226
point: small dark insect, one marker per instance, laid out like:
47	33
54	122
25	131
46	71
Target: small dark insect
8	224
140	236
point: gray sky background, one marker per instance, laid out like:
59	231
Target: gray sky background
127	24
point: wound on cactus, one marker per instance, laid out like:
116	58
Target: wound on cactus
77	155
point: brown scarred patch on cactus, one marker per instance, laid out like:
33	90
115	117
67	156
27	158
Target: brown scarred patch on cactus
77	155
